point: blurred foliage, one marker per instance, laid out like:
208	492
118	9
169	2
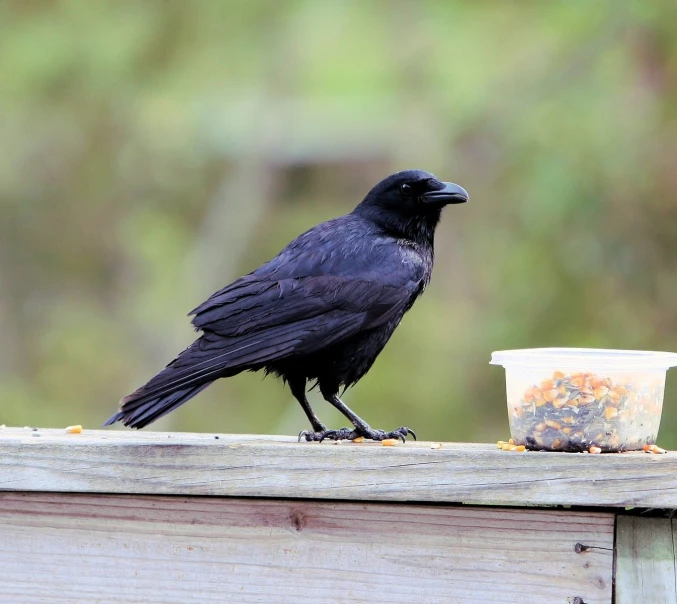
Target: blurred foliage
154	151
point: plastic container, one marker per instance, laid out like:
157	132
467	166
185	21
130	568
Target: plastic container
569	399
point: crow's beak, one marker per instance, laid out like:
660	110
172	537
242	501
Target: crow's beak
451	193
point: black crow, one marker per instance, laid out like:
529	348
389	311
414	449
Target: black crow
321	310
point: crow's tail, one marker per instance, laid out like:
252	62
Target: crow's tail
146	412
209	358
203	362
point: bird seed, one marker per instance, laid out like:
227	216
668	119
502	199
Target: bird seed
583	411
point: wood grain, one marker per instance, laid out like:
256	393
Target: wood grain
88	549
645	571
277	466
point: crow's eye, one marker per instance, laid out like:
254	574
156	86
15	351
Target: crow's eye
405	189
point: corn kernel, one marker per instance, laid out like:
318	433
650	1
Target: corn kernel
559	402
600	392
558	375
610	412
74	429
595	450
550	395
615	397
389	442
519	448
436	446
531	394
553	424
359	439
596	382
577	380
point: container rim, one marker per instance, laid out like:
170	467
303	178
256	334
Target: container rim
582	358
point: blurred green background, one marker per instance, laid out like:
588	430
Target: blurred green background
151	152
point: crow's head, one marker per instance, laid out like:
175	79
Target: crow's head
410	201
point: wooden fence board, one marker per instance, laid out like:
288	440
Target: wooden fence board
645	567
278	466
102	549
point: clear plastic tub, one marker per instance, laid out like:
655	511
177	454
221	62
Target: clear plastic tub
569	399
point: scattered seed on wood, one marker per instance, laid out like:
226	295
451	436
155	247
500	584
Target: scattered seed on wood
74	429
359	439
389	442
595	450
654	449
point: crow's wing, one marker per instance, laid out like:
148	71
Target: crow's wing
254	305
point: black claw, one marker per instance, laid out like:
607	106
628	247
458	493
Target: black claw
327	434
350	434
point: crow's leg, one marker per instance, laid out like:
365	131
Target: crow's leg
362	428
297	385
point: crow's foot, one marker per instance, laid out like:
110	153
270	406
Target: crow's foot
319	436
352	433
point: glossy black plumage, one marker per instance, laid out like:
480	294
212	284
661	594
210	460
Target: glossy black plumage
322	309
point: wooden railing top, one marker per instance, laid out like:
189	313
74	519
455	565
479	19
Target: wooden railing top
279	467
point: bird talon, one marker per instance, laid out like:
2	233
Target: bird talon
327	434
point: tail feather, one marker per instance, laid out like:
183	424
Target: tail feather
138	416
209	358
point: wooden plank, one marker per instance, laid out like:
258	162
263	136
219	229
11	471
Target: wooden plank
277	466
61	548
645	566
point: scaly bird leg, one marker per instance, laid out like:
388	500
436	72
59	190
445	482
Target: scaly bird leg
297	385
362	428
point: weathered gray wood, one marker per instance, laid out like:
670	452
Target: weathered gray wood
64	548
645	570
278	466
